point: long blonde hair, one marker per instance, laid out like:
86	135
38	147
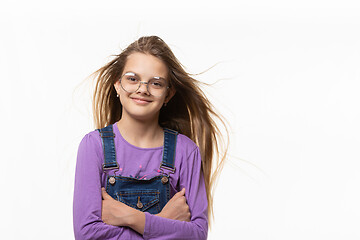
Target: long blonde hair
189	112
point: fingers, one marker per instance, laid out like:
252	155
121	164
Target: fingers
104	194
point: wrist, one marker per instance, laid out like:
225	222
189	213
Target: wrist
161	214
125	218
136	221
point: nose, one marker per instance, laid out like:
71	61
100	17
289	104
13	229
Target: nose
143	87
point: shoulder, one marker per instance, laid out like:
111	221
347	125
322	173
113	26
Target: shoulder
185	145
91	142
187	155
92	137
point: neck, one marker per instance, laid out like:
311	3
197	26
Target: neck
141	133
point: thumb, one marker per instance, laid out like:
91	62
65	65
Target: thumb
104	194
181	193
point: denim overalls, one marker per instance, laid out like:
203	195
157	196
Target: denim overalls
147	195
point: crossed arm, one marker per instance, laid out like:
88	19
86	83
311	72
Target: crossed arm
97	216
119	214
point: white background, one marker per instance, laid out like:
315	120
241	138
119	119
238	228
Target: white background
289	90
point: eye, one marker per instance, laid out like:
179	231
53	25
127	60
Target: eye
132	79
157	83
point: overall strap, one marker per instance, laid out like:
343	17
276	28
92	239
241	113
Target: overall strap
107	136
168	159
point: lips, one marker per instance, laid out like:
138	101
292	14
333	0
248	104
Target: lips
140	100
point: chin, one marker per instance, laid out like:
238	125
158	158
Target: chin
143	116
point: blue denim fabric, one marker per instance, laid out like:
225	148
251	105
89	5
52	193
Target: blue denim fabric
147	195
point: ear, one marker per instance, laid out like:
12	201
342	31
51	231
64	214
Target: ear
170	94
117	85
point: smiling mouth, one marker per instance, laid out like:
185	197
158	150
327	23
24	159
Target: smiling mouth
141	101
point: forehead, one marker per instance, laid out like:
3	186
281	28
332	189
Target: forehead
145	65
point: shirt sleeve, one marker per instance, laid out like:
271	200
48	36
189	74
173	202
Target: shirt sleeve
191	178
87	196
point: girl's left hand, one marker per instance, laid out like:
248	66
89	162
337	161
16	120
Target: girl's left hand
114	212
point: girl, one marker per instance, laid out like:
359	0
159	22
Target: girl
147	171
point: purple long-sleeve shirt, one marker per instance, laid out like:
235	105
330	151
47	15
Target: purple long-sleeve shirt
140	163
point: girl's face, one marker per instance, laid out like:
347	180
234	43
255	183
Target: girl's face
141	104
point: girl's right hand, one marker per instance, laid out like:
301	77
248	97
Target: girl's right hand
176	208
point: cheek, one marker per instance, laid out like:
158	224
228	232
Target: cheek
122	97
161	101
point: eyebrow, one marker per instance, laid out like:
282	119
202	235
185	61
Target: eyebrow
155	77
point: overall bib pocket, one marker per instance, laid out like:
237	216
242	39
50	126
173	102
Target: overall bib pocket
142	200
149	195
